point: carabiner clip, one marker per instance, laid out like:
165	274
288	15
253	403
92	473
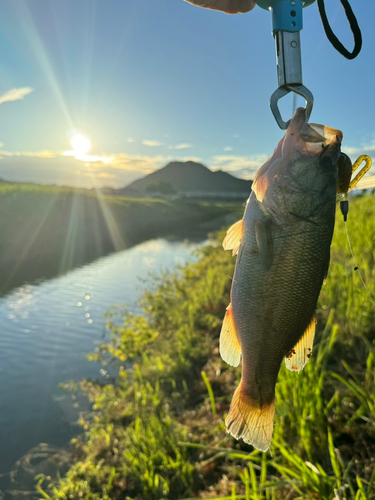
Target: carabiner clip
283	91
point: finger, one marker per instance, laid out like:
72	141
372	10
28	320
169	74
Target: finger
227	6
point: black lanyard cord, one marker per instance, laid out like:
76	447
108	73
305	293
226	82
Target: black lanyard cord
353	24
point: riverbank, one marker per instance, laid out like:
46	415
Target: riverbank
48	230
157	432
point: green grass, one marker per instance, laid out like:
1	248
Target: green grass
158	431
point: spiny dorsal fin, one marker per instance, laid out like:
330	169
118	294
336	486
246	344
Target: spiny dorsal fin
263	236
230	347
232	241
248	420
298	357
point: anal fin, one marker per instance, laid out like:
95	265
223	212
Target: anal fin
230	346
232	240
298	357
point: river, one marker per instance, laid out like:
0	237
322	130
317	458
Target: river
46	330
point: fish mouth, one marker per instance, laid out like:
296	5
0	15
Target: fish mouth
328	134
312	133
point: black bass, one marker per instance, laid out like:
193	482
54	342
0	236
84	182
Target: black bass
283	246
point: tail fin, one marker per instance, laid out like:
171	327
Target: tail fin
251	422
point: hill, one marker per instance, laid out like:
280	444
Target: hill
188	178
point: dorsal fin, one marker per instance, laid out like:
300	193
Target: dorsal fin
298	357
230	346
232	241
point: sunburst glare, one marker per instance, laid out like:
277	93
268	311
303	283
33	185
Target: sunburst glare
81	145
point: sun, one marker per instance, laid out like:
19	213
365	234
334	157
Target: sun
81	145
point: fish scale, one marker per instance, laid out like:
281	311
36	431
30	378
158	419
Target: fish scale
283	246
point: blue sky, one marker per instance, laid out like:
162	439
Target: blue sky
150	81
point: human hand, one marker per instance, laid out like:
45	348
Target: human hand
227	6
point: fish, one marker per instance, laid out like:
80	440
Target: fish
282	245
227	6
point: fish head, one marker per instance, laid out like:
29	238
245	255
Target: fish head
302	172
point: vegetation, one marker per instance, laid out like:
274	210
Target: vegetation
47	230
160	187
157	431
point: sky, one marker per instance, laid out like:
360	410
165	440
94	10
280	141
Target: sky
151	81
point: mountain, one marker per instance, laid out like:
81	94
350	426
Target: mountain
189	178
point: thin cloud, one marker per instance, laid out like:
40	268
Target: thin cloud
138	163
15	94
366	148
88	158
184	145
240	166
56	168
196	159
228	148
151	143
130	139
366	183
34	154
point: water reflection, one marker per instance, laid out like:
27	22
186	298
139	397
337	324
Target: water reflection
46	330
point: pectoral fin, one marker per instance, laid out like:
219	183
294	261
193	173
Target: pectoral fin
232	240
263	236
298	357
230	347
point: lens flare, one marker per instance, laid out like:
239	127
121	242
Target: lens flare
81	145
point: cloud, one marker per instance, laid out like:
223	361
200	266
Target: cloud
138	163
35	154
366	148
184	145
151	143
15	94
48	167
118	170
192	158
228	148
88	158
366	183
240	166
106	175
130	139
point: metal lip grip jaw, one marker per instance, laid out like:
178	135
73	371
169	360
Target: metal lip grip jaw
286	26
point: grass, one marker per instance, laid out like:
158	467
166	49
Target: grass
157	432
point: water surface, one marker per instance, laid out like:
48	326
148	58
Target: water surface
47	328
